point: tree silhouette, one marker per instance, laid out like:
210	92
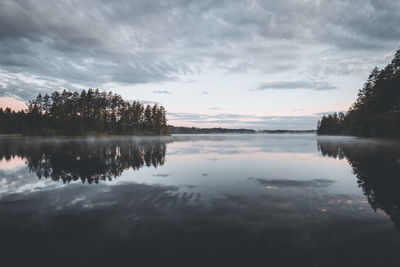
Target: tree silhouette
376	112
88	112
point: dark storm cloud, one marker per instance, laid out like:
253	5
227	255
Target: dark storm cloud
288	85
90	43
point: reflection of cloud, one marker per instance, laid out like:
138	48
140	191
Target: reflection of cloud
271	187
214	159
20	180
12	164
163	221
161	175
276	183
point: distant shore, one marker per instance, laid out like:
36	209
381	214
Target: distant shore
195	130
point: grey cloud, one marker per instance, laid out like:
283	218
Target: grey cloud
185	116
197	116
149	102
288	85
327	63
14	86
365	24
162	92
91	43
216	121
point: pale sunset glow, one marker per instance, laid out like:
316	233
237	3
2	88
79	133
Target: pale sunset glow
12	103
12	163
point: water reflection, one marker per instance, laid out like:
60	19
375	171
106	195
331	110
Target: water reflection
88	160
377	168
237	200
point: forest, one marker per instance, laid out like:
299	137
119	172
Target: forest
84	113
376	112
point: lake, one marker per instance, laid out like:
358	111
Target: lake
200	200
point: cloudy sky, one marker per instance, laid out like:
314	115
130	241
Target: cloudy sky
255	64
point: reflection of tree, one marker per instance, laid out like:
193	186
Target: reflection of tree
377	167
88	160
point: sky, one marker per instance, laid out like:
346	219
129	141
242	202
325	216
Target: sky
235	64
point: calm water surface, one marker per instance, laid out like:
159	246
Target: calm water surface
199	200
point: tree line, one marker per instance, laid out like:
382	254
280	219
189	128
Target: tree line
195	130
87	112
376	112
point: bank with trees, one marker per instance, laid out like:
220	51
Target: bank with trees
376	112
84	113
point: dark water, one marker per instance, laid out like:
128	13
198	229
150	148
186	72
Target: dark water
223	200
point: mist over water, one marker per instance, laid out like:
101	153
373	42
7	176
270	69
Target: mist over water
196	200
